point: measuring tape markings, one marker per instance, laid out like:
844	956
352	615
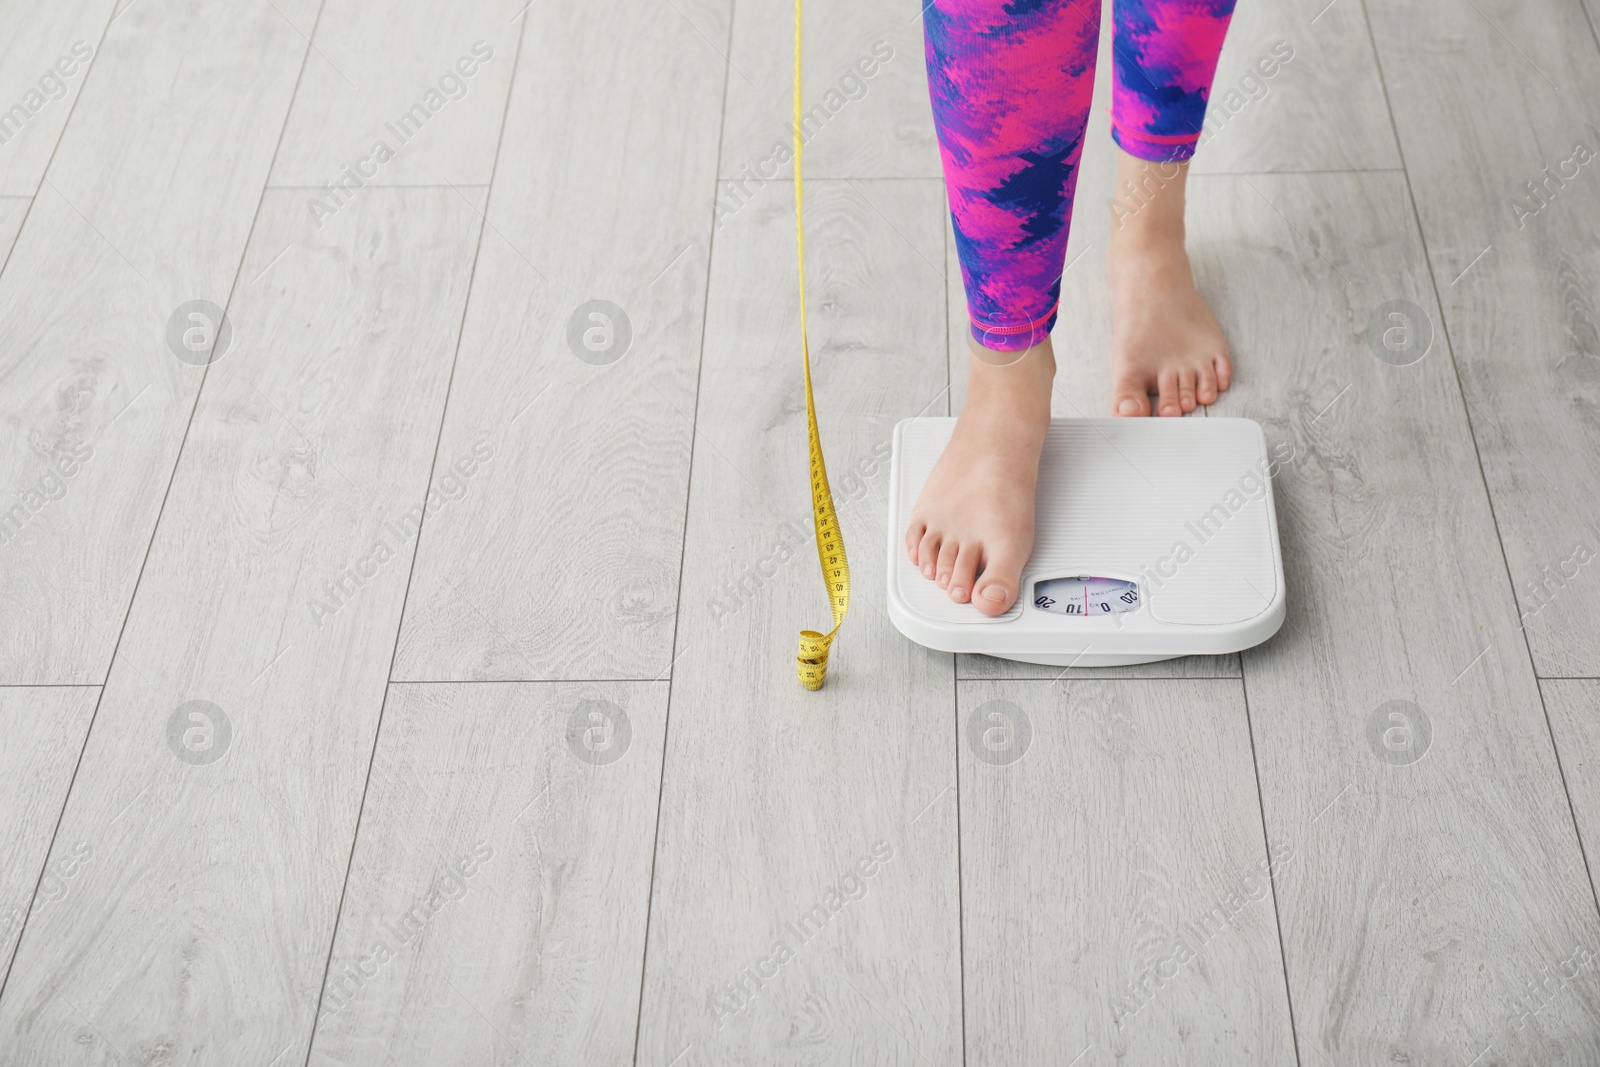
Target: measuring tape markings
812	662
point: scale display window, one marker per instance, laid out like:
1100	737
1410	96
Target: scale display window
1086	596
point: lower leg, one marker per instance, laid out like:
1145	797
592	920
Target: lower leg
1010	86
1165	340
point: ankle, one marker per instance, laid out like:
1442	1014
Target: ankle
1149	216
1020	387
1149	254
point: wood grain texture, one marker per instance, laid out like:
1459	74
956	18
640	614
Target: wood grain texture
774	799
1574	709
13	210
1493	101
1117	889
495	910
566	564
41	734
200	933
147	205
45	54
426	80
866	97
1439	869
1297	89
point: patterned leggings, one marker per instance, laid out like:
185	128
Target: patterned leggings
1011	82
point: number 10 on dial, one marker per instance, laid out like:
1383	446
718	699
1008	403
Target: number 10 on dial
1086	595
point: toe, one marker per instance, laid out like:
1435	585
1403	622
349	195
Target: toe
1167	403
914	534
1130	395
966	570
1224	367
947	562
1205	389
928	553
1186	381
997	586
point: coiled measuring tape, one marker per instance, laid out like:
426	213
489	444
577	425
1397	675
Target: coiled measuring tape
812	662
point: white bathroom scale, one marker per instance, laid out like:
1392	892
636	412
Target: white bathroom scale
1153	538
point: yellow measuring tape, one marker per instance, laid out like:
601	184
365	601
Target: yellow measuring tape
813	659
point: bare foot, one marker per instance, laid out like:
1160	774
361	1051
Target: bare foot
1164	338
972	528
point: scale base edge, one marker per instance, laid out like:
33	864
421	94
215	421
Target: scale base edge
1064	660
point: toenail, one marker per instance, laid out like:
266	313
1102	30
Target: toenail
927	570
1128	406
996	593
944	579
958	593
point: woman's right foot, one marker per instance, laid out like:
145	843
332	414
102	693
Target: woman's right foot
971	530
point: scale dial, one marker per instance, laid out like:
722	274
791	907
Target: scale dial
1086	595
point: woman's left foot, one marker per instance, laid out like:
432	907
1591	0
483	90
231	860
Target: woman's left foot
1164	340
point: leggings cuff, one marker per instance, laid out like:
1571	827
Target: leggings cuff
1156	148
1014	338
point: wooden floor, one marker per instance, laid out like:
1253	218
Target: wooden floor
396	644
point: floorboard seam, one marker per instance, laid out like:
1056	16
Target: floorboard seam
1292	173
683	546
961	898
73	110
416	545
292	187
50	685
1472	434
955	679
519	681
127	610
1272	876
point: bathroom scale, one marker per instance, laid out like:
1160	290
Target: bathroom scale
1153	538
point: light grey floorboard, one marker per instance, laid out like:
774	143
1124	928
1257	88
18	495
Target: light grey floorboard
127	227
13	209
1439	866
45	51
1297	89
222	830
399	94
1492	99
448	868
1574	708
865	98
496	905
807	842
562	560
1118	900
41	733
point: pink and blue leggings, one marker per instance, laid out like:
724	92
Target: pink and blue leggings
1011	82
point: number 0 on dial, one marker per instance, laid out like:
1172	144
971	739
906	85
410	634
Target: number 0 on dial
1086	595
